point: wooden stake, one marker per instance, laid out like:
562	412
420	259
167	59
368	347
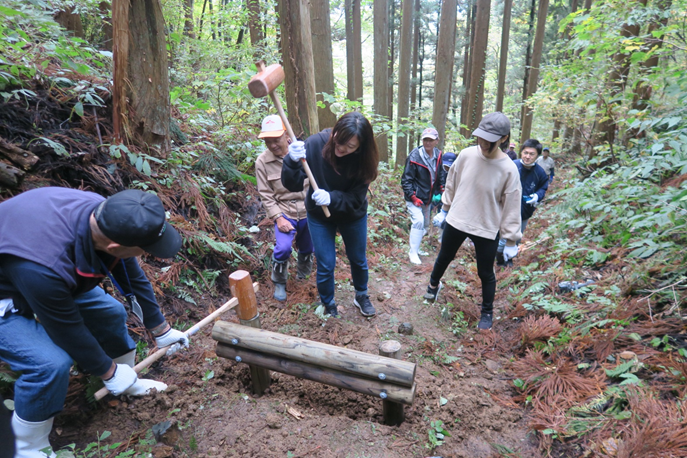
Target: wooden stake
247	311
392	412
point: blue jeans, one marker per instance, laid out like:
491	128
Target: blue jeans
284	240
41	389
354	235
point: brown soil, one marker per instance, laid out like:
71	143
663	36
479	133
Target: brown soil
219	416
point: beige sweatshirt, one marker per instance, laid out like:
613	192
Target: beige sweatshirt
482	196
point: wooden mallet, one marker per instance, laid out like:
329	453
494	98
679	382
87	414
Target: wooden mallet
265	83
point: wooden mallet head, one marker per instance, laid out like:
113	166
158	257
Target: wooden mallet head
266	81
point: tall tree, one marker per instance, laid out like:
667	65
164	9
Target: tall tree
469	38
354	54
322	48
405	46
381	70
105	9
416	51
254	25
603	131
533	79
392	56
71	21
299	68
528	56
443	76
478	64
141	76
188	19
503	62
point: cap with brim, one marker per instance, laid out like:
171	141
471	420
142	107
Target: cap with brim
546	149
134	218
448	159
430	133
492	127
272	126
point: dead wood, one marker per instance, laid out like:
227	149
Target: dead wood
10	177
24	159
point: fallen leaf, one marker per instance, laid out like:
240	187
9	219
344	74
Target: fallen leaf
294	413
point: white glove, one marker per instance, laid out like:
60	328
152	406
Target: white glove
297	150
126	381
534	198
321	197
176	339
509	252
439	219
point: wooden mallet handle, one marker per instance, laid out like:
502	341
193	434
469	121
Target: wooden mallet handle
230	304
292	136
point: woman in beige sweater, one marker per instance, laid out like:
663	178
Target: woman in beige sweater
481	201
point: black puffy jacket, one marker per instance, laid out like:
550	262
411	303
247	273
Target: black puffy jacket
417	180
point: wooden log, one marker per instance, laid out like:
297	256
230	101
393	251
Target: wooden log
247	311
316	353
315	373
392	412
10	177
22	158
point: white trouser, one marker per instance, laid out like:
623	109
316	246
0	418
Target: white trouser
419	216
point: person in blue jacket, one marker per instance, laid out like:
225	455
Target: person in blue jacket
534	181
56	246
343	161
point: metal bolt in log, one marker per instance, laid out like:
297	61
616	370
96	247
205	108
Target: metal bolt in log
392	412
242	288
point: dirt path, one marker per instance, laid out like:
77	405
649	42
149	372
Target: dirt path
462	380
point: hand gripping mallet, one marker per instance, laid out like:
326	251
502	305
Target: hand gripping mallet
230	304
264	83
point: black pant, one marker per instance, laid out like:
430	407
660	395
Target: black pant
485	250
6	434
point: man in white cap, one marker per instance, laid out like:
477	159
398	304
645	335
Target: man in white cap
423	178
285	208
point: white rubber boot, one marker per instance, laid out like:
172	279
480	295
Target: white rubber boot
31	437
128	358
415	239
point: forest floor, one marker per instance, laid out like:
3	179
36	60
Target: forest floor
462	380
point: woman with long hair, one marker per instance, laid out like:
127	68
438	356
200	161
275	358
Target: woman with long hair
481	201
343	161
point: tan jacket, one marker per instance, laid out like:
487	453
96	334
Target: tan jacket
482	196
275	197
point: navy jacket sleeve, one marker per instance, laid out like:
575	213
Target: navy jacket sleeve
542	183
51	300
141	288
292	175
408	180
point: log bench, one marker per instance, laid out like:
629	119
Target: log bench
384	377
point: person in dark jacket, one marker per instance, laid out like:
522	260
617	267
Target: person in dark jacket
343	161
56	246
534	182
422	180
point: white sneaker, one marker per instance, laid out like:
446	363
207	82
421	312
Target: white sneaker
414	258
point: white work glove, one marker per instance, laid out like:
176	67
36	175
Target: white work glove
176	339
297	150
534	198
439	219
126	381
509	252
321	197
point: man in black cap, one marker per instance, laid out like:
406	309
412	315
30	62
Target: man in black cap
56	246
